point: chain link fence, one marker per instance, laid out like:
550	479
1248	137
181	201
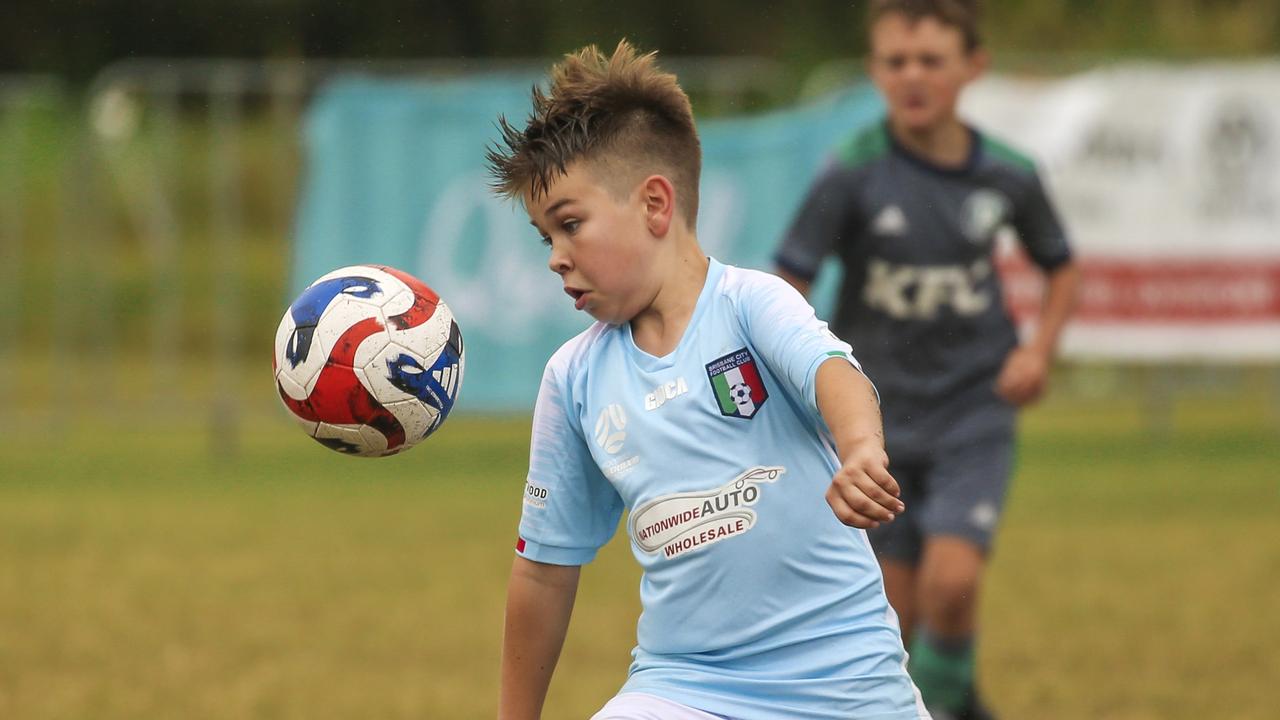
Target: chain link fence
146	222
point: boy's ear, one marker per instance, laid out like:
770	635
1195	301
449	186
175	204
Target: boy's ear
659	197
979	61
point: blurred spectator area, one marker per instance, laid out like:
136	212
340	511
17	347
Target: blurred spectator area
147	219
146	222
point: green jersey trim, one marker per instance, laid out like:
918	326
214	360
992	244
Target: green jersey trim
1000	151
865	146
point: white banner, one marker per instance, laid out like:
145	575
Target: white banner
1168	178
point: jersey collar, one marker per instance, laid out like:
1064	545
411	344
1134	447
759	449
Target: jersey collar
965	168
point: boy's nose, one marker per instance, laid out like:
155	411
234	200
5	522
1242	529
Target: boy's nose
559	262
913	71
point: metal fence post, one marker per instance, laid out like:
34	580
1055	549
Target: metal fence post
226	212
12	239
163	235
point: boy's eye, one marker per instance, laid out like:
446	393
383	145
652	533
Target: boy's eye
546	240
931	61
570	226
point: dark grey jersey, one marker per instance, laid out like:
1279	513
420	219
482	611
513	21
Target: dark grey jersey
921	300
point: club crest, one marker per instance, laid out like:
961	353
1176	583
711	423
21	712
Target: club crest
737	384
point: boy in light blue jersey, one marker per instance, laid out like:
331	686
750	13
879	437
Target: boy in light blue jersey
710	403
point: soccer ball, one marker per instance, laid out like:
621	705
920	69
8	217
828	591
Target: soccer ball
368	360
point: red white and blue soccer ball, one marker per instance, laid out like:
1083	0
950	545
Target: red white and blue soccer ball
368	360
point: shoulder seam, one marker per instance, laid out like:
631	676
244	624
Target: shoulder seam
567	356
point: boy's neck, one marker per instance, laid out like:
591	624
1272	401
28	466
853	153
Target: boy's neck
658	328
947	144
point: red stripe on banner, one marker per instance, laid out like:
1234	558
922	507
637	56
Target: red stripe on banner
752	379
1156	291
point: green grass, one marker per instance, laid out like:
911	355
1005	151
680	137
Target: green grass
142	575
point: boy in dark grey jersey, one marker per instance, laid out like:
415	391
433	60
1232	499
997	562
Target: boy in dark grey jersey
911	206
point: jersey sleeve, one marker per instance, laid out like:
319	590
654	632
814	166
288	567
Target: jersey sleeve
1039	229
570	509
783	327
824	216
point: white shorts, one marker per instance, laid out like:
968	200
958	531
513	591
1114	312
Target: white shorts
643	706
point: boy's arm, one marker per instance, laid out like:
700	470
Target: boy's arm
1025	372
822	218
539	602
862	493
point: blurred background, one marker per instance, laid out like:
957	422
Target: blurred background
171	174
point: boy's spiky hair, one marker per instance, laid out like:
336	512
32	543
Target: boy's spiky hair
621	114
964	15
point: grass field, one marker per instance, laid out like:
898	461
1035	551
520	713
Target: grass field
142	577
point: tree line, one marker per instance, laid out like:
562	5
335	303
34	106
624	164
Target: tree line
76	38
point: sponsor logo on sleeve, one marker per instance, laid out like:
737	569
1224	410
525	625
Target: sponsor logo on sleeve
535	495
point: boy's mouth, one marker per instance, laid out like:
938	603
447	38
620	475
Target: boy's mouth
914	102
579	297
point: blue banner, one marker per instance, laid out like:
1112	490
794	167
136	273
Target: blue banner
395	175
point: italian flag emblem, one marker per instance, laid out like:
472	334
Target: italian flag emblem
739	390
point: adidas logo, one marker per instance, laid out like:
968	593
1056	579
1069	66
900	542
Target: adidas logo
448	377
890	221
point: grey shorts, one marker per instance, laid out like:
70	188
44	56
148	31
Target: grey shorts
956	491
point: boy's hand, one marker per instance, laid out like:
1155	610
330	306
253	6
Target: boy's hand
1024	375
863	494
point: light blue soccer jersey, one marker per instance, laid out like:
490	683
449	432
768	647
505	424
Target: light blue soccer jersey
757	602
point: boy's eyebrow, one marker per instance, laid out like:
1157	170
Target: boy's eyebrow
557	205
554	207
